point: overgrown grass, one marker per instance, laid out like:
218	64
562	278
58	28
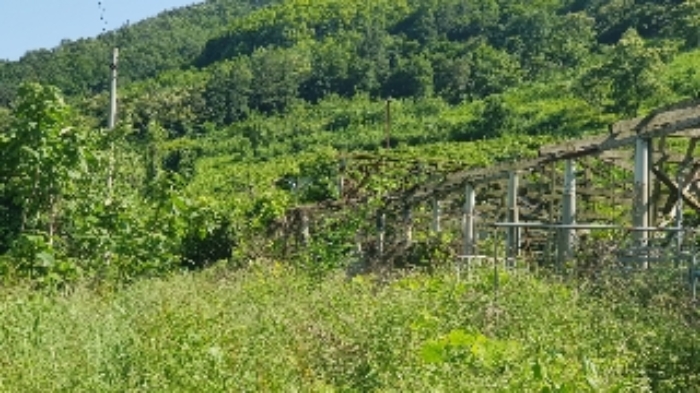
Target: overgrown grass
274	329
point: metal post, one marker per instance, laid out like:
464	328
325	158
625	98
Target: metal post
305	231
436	215
341	178
468	220
641	190
111	122
513	240
113	92
387	124
679	211
566	235
381	225
408	222
552	237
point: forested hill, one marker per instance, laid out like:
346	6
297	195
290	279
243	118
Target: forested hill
407	48
171	40
297	49
458	50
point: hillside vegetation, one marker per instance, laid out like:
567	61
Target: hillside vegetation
232	112
240	110
275	329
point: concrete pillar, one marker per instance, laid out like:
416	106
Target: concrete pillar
513	216
641	190
408	224
568	214
381	232
341	178
437	211
468	220
305	231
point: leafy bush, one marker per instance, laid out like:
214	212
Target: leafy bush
275	328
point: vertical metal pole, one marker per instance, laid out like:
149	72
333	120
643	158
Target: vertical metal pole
679	211
552	237
437	210
495	264
113	91
305	231
388	123
408	223
568	215
341	178
468	220
111	122
381	223
513	239
641	190
655	185
358	245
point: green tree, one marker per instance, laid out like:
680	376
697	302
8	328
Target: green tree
277	75
452	77
330	70
629	76
227	94
40	154
492	71
686	23
413	77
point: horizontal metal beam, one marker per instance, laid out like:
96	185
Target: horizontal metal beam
543	225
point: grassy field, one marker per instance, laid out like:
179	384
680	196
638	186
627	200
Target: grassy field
273	329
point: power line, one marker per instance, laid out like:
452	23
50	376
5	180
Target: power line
103	18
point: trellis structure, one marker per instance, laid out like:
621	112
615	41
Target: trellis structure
542	202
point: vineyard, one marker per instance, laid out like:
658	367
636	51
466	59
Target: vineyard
339	195
550	211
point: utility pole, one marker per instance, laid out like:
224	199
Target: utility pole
113	91
112	117
387	123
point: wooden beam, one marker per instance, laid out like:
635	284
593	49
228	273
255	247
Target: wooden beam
682	119
691	133
687	197
665	115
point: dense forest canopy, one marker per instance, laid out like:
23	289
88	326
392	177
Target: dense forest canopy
171	40
455	49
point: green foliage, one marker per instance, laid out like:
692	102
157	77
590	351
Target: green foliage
682	77
227	92
169	41
41	156
273	328
223	130
629	76
256	115
686	23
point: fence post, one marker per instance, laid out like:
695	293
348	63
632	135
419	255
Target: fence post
341	178
381	232
408	224
305	231
513	239
468	220
566	235
437	210
641	194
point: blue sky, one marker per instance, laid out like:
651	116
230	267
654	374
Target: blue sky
34	24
